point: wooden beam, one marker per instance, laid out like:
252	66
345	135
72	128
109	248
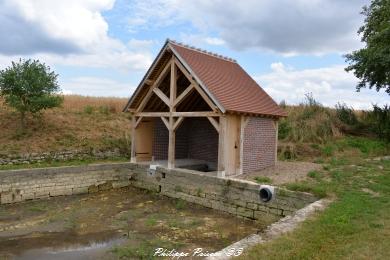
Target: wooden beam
178	123
183	95
149	82
195	114
173	86
138	122
133	154
155	84
166	122
162	96
153	114
197	87
179	114
214	123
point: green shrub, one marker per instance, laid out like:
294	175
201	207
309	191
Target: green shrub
104	110
328	150
88	109
346	114
180	204
314	175
262	179
284	129
151	221
379	121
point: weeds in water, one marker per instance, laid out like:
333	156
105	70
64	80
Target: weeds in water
180	204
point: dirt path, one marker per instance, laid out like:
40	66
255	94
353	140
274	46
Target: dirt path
284	172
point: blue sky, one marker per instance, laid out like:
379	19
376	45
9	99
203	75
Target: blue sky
104	47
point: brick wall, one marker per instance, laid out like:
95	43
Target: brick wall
259	144
196	138
203	140
160	140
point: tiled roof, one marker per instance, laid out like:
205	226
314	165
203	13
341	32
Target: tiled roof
227	82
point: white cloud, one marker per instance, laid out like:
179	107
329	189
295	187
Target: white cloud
200	40
328	85
214	41
96	86
71	32
284	26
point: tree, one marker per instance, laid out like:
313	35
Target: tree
29	86
372	63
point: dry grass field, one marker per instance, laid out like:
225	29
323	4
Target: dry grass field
81	123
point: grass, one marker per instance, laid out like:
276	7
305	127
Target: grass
151	221
315	175
62	163
262	179
180	204
82	123
355	226
38	206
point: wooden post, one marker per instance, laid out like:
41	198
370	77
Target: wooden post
172	133
133	153
172	144
221	147
173	88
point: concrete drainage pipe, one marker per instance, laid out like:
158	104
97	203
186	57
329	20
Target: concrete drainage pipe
266	193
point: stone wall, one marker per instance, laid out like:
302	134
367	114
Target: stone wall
234	196
57	156
28	184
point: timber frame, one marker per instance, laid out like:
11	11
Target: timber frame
171	92
173	119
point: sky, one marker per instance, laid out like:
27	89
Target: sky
104	47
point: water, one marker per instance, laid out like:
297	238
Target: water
92	250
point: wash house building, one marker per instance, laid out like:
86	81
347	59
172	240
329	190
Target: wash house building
199	110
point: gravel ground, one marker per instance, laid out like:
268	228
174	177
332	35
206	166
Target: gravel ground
284	172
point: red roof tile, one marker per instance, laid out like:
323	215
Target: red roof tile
233	88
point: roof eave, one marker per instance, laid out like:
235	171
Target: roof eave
246	113
146	76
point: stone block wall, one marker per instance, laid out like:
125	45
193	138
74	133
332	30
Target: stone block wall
259	145
237	197
234	196
21	185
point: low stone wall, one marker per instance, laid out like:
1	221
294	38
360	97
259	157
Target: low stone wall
20	185
234	196
238	197
58	156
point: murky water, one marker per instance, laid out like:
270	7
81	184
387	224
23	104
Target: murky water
133	221
92	250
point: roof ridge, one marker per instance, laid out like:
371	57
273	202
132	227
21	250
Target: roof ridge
213	54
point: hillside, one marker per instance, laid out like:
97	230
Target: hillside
98	124
82	123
